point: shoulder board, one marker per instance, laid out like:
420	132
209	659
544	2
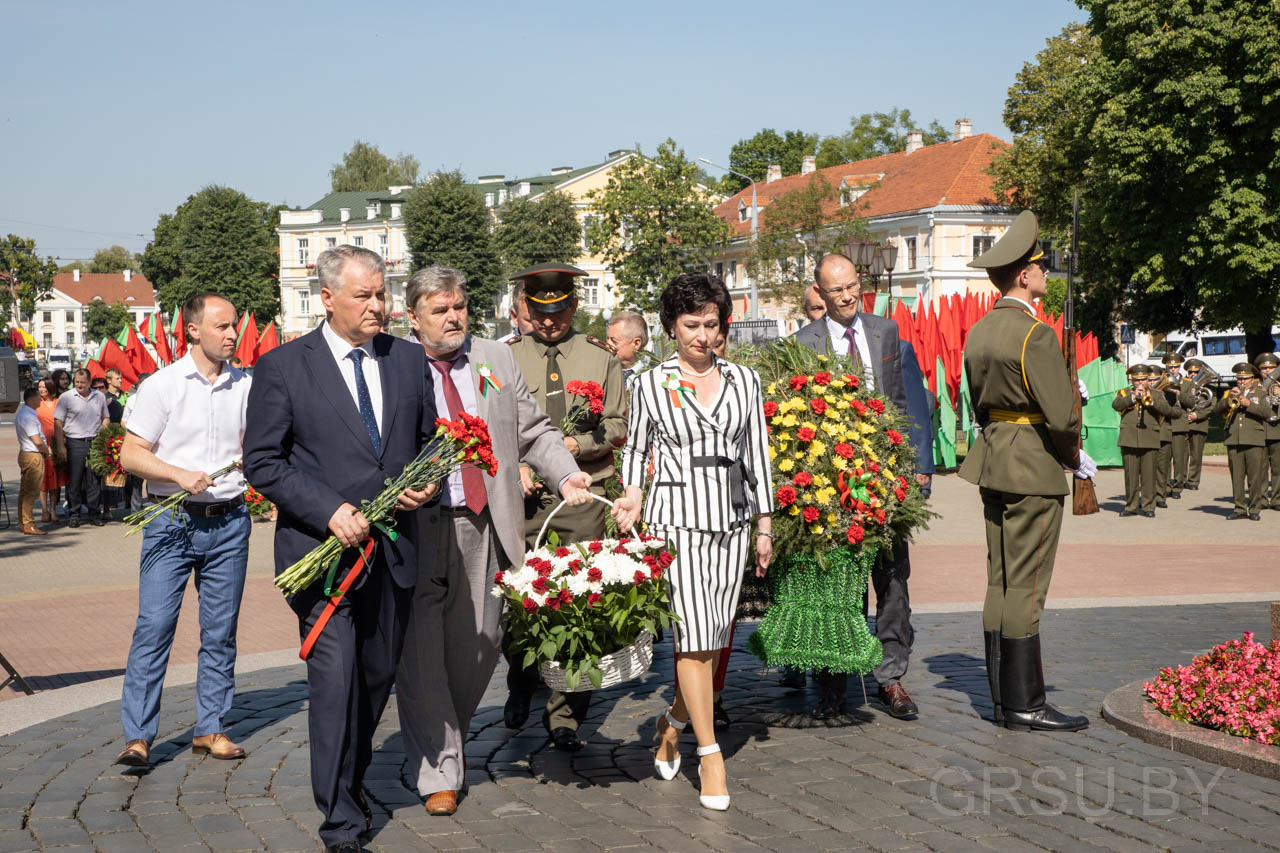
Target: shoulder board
515	339
604	345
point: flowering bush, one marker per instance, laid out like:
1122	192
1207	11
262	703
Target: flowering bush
843	473
1234	688
576	604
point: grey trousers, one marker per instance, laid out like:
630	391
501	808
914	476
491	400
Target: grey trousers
893	613
451	649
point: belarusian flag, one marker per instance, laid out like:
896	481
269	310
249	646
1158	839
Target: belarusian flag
247	344
179	334
159	338
268	341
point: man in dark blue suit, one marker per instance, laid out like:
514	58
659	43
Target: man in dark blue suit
331	417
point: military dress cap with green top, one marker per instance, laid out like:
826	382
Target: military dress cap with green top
1193	364
1173	358
1139	371
549	288
1245	370
1018	246
1266	362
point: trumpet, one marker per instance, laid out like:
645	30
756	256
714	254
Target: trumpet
1146	399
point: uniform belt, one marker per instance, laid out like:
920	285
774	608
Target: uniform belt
216	509
1006	417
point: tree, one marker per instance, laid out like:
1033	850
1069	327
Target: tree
27	279
767	148
103	320
652	222
112	260
364	167
1164	117
873	134
537	231
796	230
446	222
220	240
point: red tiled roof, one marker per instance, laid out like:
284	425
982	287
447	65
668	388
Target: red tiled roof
944	173
109	287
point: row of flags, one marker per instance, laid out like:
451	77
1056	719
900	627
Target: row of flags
128	353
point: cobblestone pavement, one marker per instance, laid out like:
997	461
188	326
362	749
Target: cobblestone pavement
949	781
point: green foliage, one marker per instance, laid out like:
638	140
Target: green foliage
812	216
873	134
1164	116
446	222
112	260
102	320
653	222
591	323
537	231
220	240
767	148
364	167
26	278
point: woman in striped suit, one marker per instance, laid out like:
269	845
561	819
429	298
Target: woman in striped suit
702	419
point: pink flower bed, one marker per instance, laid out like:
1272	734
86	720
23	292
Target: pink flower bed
1234	688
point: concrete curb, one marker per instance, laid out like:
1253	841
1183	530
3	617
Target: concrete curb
1128	710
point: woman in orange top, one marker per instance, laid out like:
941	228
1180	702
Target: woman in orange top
55	477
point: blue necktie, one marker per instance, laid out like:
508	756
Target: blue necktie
366	403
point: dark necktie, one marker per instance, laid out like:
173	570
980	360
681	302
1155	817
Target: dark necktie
854	354
554	393
472	480
366	402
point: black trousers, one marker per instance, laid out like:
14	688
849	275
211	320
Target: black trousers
349	676
83	485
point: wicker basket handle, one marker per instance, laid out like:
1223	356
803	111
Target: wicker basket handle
538	542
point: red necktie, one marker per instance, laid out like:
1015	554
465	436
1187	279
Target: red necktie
472	480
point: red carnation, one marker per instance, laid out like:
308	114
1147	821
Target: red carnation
575	566
894	436
821	378
798	382
656	574
806	434
844	450
594	575
855	534
875	467
786	496
770	408
595	547
620	549
497	578
811	514
902	481
593	599
851	381
818	405
859	408
877	406
665	559
900	494
566	596
880	516
804	478
530	605
639	577
539	585
554	603
562	551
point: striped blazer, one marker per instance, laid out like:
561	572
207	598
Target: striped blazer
710	466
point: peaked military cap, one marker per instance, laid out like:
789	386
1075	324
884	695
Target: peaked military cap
1173	358
1267	361
1139	371
1018	245
1244	369
548	287
1195	363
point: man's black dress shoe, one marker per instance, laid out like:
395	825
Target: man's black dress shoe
567	740
343	847
1191	487
1161	503
1146	513
1255	516
516	711
1237	516
1124	513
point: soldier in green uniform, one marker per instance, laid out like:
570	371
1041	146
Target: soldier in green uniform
1023	399
1164	458
1180	446
550	358
1139	441
1245	409
1198	403
1267	364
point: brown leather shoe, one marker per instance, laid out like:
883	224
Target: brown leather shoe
34	531
218	745
898	700
442	803
136	753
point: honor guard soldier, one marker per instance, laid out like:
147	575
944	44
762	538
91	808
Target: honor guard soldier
1197	401
551	357
1246	410
1024	401
1181	427
1140	412
1267	365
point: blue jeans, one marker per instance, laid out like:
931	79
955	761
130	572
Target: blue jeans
217	550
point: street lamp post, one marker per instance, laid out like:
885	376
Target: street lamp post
755	227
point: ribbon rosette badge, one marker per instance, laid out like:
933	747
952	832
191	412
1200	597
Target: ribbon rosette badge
487	380
677	388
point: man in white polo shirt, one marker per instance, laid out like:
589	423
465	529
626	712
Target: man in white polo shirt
188	422
32	451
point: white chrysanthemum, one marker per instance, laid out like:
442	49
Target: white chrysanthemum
617	568
635	546
579	585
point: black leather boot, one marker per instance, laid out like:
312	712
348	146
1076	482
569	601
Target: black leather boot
992	642
1022	690
832	692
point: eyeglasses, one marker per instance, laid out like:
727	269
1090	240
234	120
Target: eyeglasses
851	289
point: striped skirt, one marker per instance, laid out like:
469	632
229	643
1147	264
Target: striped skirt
705	580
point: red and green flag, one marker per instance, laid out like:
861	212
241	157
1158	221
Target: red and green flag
247	344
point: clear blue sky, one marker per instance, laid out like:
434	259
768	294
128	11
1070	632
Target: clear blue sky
114	113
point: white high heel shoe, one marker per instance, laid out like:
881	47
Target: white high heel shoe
667	770
719	803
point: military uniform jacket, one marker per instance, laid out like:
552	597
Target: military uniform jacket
1139	424
581	360
1014	364
1203	406
1247	426
1179	414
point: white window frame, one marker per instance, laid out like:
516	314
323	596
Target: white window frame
384	245
304	301
303	245
982	243
357	240
912	257
331	242
590	290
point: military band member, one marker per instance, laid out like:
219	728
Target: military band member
1140	413
1198	403
1164	458
1030	433
1267	364
1181	427
1245	409
551	357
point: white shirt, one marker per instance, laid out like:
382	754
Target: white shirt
460	373
347	367
193	424
27	423
1023	302
840	346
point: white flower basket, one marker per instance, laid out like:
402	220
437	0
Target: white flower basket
623	665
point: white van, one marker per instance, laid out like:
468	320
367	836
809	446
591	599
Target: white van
1218	349
59	359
